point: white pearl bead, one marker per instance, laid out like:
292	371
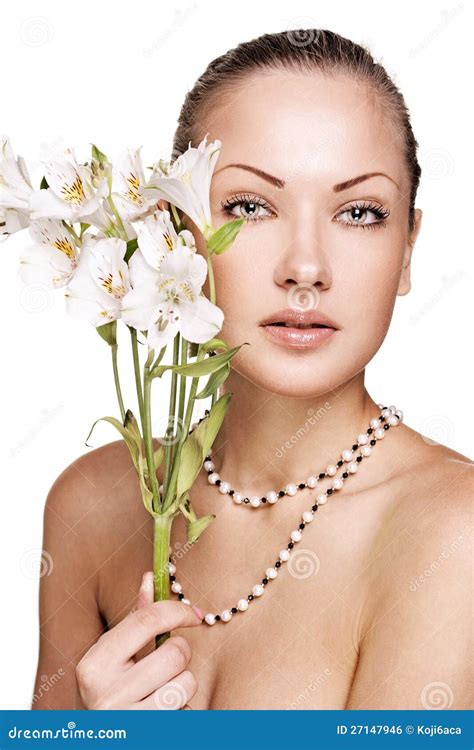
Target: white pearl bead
242	605
347	454
296	535
393	408
271	572
337	484
284	555
331	470
176	587
307	516
209	466
352	467
237	498
366	450
362	439
291	489
212	478
379	433
254	501
210	619
392	420
272	497
400	414
374	422
226	615
386	413
171	569
185	601
258	589
224	488
311	482
321	499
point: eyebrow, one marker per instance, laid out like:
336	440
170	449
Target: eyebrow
281	183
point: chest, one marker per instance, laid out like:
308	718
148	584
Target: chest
296	647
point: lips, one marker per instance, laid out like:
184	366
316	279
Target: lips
299	319
299	326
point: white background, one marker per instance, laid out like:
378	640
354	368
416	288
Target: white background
117	75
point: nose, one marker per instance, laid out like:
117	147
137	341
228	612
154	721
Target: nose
303	262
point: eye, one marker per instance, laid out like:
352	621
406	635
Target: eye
248	207
361	215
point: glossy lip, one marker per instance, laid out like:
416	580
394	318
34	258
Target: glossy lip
297	338
297	316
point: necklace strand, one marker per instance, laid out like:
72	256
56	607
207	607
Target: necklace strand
389	417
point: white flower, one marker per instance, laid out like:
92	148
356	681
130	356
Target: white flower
127	179
15	191
70	194
169	300
156	237
53	258
186	184
101	281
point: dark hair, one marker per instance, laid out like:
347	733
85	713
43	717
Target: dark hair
302	50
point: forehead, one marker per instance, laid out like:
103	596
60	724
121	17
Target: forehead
305	127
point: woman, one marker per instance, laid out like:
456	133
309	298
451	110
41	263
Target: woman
319	157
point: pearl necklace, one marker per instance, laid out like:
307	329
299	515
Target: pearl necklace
389	417
271	497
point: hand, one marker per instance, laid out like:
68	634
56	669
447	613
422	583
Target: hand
110	677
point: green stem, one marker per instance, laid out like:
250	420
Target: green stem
171	414
176	217
114	348
182	381
117	217
148	440
73	233
212	287
161	545
136	368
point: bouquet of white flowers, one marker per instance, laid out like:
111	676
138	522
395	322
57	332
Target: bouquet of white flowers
98	232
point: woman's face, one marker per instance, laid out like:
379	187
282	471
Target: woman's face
342	251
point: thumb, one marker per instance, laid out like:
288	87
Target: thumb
145	592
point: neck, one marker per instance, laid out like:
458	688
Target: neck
267	441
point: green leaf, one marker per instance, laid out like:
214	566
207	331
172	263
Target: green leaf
223	237
214	344
43	184
203	367
192	349
98	155
186	507
108	332
216	380
131	247
195	528
127	435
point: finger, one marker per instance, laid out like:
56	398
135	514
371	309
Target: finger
154	670
145	592
172	696
138	627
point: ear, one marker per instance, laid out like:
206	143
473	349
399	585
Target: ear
404	284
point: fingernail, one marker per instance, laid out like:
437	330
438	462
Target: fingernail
199	612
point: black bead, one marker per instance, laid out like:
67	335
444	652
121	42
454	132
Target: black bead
370	431
210	471
322	475
340	462
302	486
172	578
355	446
301	525
329	491
180	596
345	475
359	459
264	581
231	492
314	507
291	545
234	610
218	481
281	493
278	564
386	426
218	617
263	499
372	442
250	597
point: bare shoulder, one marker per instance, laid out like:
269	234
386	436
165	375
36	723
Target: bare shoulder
416	638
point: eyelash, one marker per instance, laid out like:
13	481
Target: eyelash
379	211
